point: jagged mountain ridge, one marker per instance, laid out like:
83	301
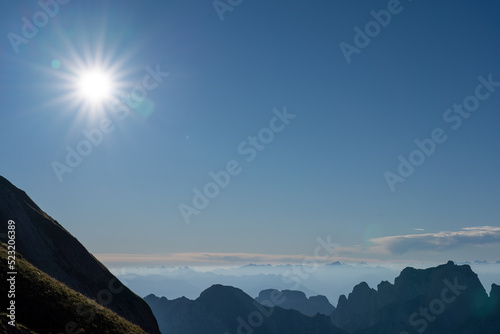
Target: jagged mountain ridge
43	242
444	299
447	299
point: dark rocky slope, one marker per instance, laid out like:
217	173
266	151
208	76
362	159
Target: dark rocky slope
45	305
47	245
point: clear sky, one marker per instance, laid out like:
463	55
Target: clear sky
355	102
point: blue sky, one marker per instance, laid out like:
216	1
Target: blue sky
323	175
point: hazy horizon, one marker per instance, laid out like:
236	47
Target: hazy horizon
330	280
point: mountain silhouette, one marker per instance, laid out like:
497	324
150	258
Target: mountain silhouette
45	244
447	299
228	310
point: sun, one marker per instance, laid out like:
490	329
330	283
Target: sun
95	86
89	80
92	87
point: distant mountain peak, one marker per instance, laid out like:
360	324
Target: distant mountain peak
336	263
297	300
218	293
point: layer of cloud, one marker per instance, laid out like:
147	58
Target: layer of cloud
446	240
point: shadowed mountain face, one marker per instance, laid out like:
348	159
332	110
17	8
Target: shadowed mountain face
445	299
297	300
49	247
227	310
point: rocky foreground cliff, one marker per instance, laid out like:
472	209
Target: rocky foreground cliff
45	244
